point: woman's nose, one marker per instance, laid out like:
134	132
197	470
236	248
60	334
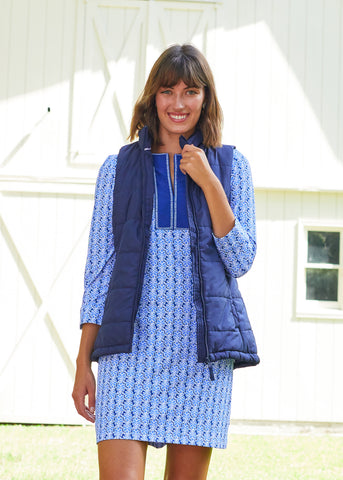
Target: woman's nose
178	101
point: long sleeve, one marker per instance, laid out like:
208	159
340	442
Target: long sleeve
101	254
238	248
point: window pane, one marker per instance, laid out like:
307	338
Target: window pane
321	284
323	247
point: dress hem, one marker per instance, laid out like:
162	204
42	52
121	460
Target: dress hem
163	443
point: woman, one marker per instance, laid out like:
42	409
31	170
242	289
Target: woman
173	225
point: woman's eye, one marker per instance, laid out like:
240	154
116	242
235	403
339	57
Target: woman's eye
192	92
166	92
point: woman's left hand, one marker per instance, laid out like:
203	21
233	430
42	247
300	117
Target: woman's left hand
194	162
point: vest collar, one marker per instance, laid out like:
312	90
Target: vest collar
195	139
145	140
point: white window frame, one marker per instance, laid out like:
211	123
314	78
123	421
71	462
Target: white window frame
317	309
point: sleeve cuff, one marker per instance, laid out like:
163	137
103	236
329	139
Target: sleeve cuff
236	249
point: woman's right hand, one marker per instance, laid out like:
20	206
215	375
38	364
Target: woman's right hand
84	379
84	385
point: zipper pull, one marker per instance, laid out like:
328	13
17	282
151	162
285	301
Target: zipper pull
210	368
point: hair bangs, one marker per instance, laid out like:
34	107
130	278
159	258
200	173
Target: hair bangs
180	69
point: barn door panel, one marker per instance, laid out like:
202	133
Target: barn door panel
109	71
180	22
42	236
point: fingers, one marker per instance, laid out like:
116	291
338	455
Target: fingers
82	409
79	402
84	387
192	157
194	162
91	404
90	414
188	155
192	153
189	148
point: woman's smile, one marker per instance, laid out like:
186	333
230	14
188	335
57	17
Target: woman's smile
178	117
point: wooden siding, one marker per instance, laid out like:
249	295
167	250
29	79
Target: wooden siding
43	249
299	376
71	71
44	213
280	81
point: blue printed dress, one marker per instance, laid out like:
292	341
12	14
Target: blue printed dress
159	393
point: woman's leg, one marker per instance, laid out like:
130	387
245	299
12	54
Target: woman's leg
187	462
122	459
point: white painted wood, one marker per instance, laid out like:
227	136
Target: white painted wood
110	68
51	228
278	68
107	76
282	53
289	336
300	372
332	58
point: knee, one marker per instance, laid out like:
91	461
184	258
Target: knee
120	474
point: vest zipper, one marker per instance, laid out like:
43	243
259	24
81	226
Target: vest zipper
208	361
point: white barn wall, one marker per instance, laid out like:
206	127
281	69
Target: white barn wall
299	378
280	81
37	51
278	68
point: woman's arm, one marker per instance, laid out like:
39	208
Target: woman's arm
222	217
237	249
101	254
99	266
233	224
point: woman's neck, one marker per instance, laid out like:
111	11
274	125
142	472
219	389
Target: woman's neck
169	148
169	144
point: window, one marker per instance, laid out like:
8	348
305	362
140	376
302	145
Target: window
320	271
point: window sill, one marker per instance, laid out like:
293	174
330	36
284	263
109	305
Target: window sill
320	314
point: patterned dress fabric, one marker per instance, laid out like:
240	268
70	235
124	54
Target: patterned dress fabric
159	393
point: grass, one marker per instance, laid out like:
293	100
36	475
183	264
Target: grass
69	453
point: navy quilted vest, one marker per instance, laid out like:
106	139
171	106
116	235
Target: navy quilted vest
224	329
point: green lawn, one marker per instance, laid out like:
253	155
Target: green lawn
69	453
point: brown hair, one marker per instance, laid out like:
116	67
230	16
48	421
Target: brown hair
186	63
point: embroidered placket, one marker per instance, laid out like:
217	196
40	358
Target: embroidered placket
171	209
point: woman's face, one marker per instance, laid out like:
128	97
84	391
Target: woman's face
178	109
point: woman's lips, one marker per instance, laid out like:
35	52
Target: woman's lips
178	117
